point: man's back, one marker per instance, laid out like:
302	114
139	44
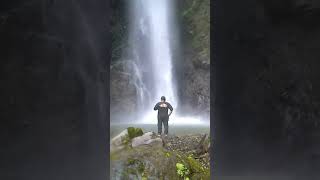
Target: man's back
163	116
162	108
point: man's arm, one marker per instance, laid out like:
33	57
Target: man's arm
156	107
171	109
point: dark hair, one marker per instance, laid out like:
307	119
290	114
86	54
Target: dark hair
163	98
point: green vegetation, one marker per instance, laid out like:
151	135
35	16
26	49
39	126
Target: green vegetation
134	132
196	17
137	163
182	171
134	168
146	162
191	168
126	140
167	154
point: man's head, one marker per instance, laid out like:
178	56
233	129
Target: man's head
163	99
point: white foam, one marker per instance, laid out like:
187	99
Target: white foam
151	118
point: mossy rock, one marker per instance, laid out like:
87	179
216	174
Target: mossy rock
137	164
134	132
146	162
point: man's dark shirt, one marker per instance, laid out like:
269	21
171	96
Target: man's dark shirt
162	108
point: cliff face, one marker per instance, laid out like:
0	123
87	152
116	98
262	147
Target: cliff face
193	66
123	92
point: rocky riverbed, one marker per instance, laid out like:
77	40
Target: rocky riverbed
195	145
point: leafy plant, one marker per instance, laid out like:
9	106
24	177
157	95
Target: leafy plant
137	164
167	154
182	171
134	132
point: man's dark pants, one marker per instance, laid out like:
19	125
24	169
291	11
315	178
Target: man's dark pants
164	121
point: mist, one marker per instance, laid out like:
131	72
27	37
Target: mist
150	63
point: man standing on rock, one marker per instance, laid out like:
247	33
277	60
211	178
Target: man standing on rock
163	116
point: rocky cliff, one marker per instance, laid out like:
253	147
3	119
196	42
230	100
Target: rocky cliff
193	65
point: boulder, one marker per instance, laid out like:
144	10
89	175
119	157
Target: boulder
146	139
116	143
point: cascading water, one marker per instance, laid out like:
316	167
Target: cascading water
158	14
150	38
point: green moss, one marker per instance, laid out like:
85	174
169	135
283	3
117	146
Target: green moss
125	140
167	154
196	170
196	17
114	156
134	132
134	168
163	164
137	164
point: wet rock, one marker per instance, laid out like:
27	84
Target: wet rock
150	162
146	139
116	143
118	139
123	94
153	157
193	69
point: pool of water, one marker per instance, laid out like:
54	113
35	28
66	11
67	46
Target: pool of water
173	129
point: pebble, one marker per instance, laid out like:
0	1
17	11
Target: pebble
187	145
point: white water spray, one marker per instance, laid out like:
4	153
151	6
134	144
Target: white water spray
150	35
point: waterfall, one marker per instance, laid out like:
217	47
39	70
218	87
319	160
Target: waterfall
150	34
161	58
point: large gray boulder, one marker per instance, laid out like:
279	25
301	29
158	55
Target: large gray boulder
120	141
146	139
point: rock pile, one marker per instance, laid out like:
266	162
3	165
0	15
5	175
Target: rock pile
147	156
196	145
